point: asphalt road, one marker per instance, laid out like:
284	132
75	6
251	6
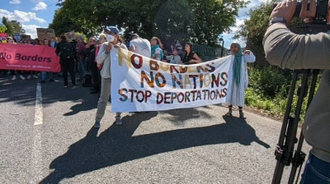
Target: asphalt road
178	146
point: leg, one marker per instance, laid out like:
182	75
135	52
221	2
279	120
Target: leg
71	70
316	171
43	77
65	69
95	77
241	114
103	100
118	119
230	112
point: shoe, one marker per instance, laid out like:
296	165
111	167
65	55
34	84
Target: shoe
22	77
29	77
35	76
65	85
97	124
94	91
241	115
42	81
74	87
51	80
14	78
229	114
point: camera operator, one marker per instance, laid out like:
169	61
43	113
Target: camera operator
288	50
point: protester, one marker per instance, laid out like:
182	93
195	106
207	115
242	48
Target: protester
81	54
240	78
140	46
33	74
176	59
66	52
156	49
44	75
288	50
10	40
114	40
90	58
190	57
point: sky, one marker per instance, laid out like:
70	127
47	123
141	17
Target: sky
34	14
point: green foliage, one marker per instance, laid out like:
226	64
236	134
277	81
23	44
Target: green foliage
199	21
12	26
271	96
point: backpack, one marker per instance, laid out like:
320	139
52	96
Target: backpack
67	50
87	80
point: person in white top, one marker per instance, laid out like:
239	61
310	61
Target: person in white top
140	46
114	41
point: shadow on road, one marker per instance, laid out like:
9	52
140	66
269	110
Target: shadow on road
117	145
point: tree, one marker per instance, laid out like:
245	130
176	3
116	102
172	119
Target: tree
12	26
199	21
253	30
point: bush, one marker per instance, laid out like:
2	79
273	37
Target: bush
269	89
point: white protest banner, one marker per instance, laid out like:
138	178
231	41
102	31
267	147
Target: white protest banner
143	84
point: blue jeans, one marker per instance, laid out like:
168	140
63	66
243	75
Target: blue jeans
45	74
316	171
82	67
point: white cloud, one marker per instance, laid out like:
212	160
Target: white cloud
31	30
40	6
36	1
15	2
21	16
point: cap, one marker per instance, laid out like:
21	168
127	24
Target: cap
111	29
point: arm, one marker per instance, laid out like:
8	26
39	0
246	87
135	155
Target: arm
195	60
103	53
132	47
249	56
288	50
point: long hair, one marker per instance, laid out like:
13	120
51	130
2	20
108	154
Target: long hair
158	41
190	46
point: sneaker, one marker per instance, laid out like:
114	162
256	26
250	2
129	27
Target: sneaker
118	119
51	80
229	114
97	124
14	77
35	76
74	87
241	115
29	77
22	77
42	81
65	85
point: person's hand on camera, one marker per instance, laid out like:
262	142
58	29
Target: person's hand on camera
285	9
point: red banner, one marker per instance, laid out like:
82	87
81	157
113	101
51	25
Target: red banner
29	58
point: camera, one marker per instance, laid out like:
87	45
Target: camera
318	23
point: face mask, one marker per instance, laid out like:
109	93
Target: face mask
110	38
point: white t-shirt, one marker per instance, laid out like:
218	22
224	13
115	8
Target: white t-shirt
142	46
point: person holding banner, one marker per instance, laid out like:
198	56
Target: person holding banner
240	78
190	57
140	45
114	41
156	49
13	72
44	75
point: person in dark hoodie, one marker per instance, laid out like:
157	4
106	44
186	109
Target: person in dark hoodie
92	65
66	52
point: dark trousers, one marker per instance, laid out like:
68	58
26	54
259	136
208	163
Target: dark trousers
96	77
68	66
